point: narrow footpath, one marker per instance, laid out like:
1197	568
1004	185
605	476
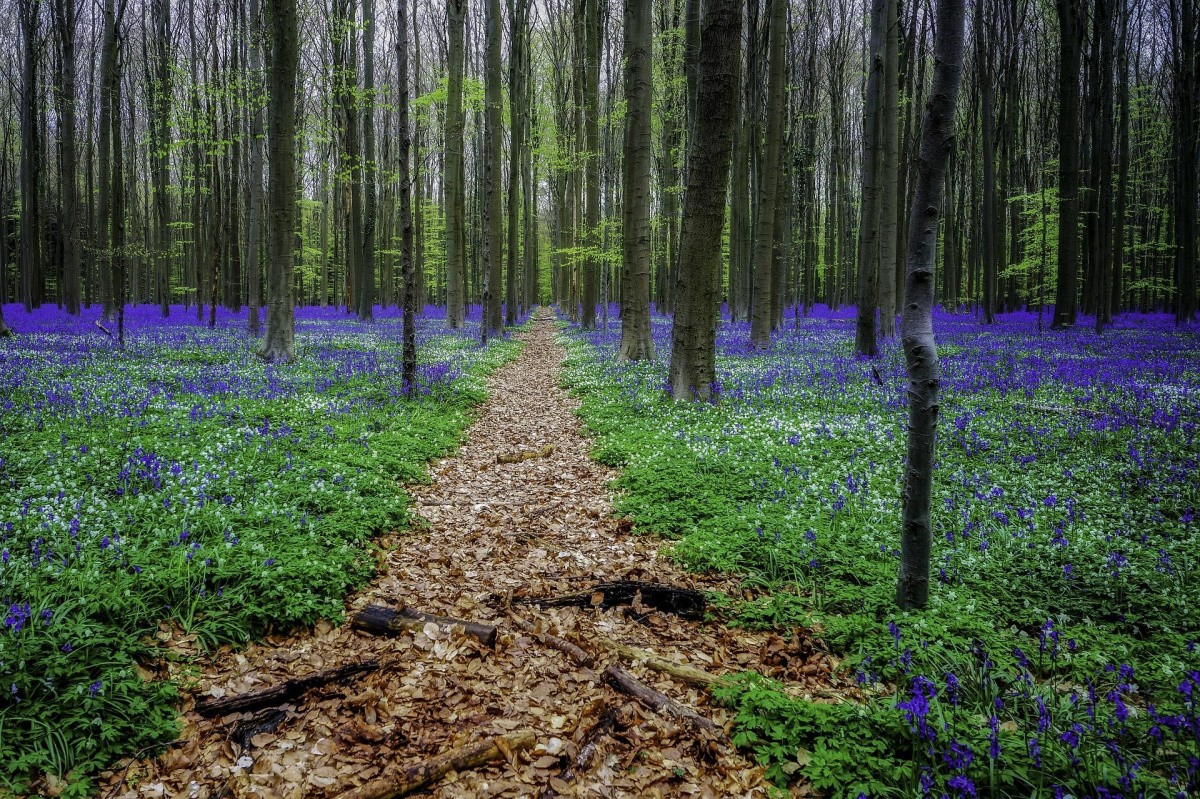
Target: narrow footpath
518	512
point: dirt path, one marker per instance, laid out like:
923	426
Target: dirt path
539	527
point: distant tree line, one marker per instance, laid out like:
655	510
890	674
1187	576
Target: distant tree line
133	156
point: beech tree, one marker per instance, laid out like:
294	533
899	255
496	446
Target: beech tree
692	373
636	344
279	342
916	327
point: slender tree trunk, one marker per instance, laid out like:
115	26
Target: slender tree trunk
889	170
635	184
408	373
772	166
31	158
989	251
591	136
71	231
366	282
455	290
1071	35
865	333
692	374
920	347
282	66
493	167
254	222
1187	154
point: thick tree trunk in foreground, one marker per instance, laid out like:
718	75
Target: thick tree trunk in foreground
916	327
692	373
635	190
281	183
764	242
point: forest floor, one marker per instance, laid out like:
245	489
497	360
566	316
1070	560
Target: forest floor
486	534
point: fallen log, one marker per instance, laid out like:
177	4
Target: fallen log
589	744
680	671
626	683
278	694
575	653
685	602
382	620
265	722
421	775
528	455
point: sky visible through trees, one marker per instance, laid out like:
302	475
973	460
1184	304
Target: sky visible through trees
877	304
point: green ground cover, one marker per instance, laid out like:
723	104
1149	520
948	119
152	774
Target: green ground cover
1058	656
182	480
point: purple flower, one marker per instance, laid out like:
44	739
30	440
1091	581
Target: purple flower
964	786
95	687
958	756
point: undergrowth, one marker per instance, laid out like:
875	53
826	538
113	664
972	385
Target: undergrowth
183	481
1058	655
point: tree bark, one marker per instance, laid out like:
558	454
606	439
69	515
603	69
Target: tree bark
282	67
1070	38
636	344
72	245
408	374
865	332
31	158
455	290
591	155
920	347
692	374
366	281
764	241
493	167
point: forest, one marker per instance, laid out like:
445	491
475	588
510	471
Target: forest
577	398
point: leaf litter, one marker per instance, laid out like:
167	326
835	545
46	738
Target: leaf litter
494	525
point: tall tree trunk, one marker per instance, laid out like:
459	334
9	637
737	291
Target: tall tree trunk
987	124
1070	41
916	326
692	373
31	159
255	222
493	168
889	170
1187	154
865	331
635	184
160	142
591	136
764	238
366	282
408	374
282	66
455	290
66	27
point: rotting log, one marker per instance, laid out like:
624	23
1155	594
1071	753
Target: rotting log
680	671
687	603
527	455
626	683
578	655
421	775
278	694
382	620
589	744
